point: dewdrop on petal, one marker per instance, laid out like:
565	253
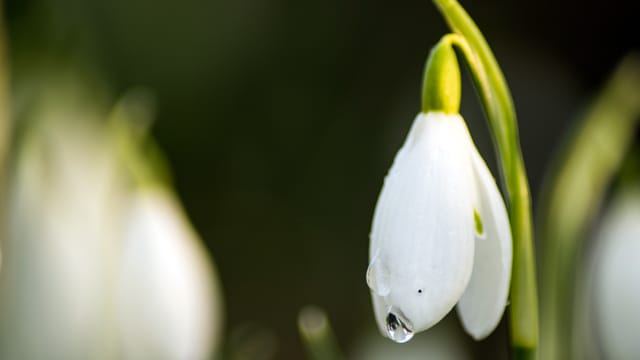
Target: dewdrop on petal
440	233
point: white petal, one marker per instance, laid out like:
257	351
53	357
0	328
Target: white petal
485	298
169	304
61	214
422	234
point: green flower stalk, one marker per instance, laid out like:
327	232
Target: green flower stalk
500	113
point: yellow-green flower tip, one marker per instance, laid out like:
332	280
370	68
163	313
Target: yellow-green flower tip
441	88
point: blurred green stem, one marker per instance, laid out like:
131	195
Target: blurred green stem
5	119
572	194
130	123
317	335
499	110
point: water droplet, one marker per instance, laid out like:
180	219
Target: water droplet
378	277
371	277
398	328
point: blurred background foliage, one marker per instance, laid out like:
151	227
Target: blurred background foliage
280	119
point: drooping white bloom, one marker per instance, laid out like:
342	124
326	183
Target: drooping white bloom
617	278
440	235
95	267
169	301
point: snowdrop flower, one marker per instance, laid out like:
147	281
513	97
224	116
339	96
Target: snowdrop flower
63	202
617	278
440	233
169	301
96	267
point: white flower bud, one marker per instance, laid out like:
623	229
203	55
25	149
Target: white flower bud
440	235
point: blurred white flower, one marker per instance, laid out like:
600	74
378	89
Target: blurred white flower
168	297
617	278
57	275
97	265
440	235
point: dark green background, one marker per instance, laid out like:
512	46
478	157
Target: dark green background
280	119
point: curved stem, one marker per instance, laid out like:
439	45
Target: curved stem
499	110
